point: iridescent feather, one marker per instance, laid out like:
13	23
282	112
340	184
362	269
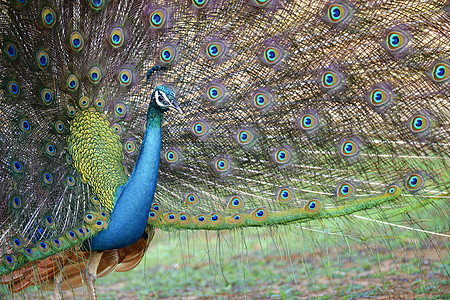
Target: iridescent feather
290	112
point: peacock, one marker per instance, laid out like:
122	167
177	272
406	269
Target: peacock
119	118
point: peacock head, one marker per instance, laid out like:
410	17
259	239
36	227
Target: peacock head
164	98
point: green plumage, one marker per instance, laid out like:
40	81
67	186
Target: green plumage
293	111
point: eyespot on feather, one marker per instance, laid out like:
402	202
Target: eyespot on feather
47	96
70	180
222	165
349	148
47	178
191	199
392	190
235	219
84	102
214	50
94	199
235	202
129	147
42	59
43	246
272	55
172	156
261	3
28	253
345	190
11	51
245	137
120	110
81	232
17	242
99	103
419	123
97	4
282	156
200	220
90	217
312	206
200	3
167	54
153	215
59	126
157	207
215	92
48	17
72	82
57	243
170	218
259	214
16	202
13	88
338	13
125	77
71	111
308	122
199	128
95	74
17	166
117	128
25	126
48	221
331	79
76	41
262	100
414	182
284	195
116	37
215	219
9	261
379	97
183	219
158	18
441	72
396	40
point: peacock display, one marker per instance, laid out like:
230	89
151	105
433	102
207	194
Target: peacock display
119	118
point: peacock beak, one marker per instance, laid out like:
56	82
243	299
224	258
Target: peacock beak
174	106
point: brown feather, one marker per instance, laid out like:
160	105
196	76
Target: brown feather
72	265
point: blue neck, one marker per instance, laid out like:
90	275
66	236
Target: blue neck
134	198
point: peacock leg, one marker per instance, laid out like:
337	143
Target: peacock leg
90	273
58	286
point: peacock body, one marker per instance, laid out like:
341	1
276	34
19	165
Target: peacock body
119	117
